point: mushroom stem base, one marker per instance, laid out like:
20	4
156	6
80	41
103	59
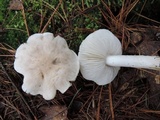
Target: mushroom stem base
135	61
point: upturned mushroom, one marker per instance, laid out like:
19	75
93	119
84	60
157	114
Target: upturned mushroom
100	57
47	65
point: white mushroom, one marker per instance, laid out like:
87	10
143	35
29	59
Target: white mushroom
47	65
100	58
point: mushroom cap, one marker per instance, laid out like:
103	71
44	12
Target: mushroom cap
93	53
47	65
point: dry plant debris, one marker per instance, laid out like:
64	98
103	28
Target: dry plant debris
15	5
130	96
127	97
54	112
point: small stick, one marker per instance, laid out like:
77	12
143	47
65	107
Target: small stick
51	17
24	18
9	104
110	101
150	111
88	99
99	101
18	91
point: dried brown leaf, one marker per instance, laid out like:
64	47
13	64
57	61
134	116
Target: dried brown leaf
15	5
56	112
157	79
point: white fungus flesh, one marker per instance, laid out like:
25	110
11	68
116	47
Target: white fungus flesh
47	65
92	56
135	61
100	58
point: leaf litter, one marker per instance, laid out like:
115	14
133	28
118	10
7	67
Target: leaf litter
134	94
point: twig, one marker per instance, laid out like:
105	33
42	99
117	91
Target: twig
42	18
24	18
147	18
88	99
7	55
124	97
141	10
9	104
99	101
73	98
138	101
16	29
110	101
65	16
5	72
51	17
149	111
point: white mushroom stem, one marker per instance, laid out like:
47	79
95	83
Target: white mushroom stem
139	61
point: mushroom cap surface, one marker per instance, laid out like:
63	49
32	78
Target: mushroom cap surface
93	53
47	65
